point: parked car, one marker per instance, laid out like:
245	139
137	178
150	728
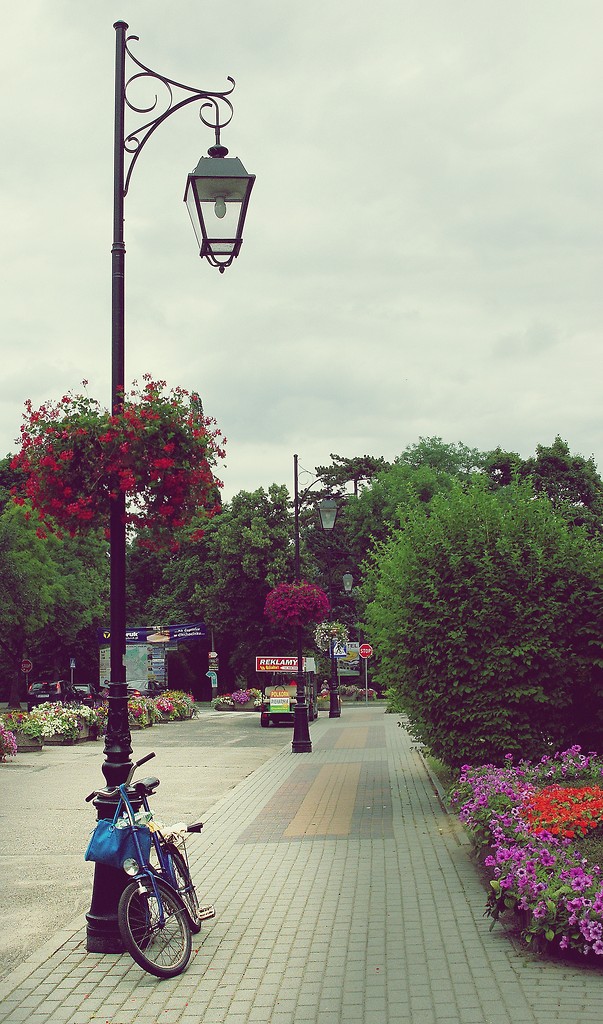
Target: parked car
47	690
146	688
82	693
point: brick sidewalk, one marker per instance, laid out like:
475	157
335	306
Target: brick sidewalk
343	893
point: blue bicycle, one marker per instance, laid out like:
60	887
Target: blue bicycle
159	908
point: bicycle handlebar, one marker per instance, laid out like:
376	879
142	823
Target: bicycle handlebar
115	789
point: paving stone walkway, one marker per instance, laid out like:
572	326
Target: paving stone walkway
344	892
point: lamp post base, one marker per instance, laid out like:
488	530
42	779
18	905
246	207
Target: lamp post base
102	928
302	744
334	702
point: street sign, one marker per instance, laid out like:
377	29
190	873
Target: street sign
365	651
339	650
26	665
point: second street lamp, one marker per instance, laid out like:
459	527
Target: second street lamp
102	927
327	510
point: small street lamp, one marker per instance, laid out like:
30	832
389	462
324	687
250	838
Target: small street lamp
301	743
327	510
348	582
227	186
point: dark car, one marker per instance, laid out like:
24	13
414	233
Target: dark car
146	688
82	693
44	690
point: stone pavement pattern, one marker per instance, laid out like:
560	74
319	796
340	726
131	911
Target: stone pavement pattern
344	893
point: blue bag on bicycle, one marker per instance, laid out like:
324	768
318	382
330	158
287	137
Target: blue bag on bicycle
111	845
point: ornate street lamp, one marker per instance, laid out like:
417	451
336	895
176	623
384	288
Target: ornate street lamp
327	510
348	582
219	249
217	194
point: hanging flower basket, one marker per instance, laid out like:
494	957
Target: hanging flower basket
296	604
328	631
158	451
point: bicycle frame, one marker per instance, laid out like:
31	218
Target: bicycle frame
145	868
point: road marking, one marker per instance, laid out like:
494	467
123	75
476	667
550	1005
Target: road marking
352	739
328	807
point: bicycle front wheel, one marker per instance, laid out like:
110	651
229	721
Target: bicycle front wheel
185	887
162	948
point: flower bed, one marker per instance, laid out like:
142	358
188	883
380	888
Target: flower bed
54	723
51	723
240	700
349	692
8	743
538	829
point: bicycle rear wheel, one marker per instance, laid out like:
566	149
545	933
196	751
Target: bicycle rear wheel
161	949
184	884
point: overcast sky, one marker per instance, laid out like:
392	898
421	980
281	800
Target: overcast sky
422	254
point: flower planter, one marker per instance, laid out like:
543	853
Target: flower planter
62	739
27	744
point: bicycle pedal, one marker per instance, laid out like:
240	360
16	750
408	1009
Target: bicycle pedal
206	912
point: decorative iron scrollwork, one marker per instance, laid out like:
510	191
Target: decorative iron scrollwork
215	102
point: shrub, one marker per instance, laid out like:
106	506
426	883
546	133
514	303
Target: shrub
488	613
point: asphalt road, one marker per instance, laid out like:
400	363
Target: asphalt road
45	823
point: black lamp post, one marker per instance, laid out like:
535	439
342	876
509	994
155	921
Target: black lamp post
301	743
327	509
226	186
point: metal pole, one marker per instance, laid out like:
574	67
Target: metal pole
302	743
334	703
102	927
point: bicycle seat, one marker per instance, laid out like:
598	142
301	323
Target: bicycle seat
146	786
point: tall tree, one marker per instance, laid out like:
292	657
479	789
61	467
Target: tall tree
572	482
342	472
453	459
249	549
51	593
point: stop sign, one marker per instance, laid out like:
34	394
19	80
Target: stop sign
365	650
26	665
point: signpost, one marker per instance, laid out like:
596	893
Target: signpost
26	667
365	652
213	678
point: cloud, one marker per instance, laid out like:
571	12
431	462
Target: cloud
422	250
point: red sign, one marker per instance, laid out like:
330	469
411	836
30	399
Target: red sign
282	664
365	650
26	665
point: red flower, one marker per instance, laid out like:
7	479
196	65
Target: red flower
564	810
158	450
296	604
